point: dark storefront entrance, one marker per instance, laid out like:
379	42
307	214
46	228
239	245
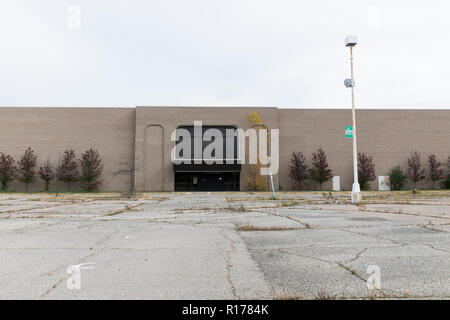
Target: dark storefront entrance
218	176
207	181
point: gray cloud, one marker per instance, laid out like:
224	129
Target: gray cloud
224	52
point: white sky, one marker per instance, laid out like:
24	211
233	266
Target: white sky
286	53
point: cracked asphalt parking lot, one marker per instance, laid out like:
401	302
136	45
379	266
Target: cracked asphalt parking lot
222	246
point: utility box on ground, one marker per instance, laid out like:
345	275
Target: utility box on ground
336	183
384	183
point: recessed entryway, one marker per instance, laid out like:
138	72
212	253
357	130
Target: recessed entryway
207	181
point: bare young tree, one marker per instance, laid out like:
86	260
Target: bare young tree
319	171
436	171
366	170
47	173
298	170
128	169
415	172
26	167
7	170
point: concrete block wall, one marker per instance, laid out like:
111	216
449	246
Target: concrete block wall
389	136
49	131
142	136
154	126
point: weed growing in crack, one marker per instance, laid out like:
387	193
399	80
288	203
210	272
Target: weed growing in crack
240	208
282	294
323	295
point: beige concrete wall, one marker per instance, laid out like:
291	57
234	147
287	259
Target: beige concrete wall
390	136
169	118
49	131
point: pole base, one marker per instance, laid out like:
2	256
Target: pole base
356	193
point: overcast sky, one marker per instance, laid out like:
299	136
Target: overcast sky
285	53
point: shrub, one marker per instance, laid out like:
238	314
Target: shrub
91	168
7	170
366	170
319	171
397	178
67	170
47	173
26	165
446	183
256	181
415	171
436	172
298	170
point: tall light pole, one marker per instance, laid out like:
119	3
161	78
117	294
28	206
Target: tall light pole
350	42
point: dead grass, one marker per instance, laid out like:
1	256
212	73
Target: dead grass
289	203
125	209
406	197
329	197
182	210
240	208
431	227
25	217
306	225
282	294
362	206
159	199
248	227
376	294
323	295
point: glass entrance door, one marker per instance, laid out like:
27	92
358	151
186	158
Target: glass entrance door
207	181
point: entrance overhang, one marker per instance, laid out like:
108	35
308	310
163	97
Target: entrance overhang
184	167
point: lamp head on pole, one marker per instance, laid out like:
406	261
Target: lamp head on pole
351	41
349	83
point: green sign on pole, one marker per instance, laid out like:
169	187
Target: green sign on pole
348	132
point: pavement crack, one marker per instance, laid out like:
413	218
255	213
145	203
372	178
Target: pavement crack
229	263
306	225
82	260
357	255
402	213
437	249
352	271
230	281
54	286
372	236
340	264
430	227
124	209
42	207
